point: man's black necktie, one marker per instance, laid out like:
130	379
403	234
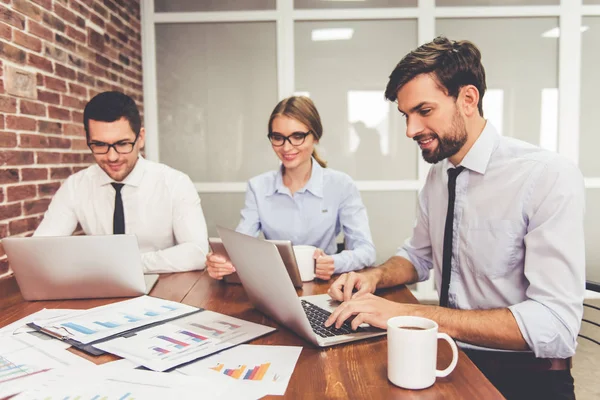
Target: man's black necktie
448	231
118	216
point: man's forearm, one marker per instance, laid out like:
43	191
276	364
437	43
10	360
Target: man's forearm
495	328
395	271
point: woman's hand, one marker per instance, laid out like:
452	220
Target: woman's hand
218	266
324	267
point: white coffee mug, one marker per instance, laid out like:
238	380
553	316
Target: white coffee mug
306	262
412	352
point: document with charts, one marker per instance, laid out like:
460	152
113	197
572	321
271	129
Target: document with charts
101	322
166	346
264	368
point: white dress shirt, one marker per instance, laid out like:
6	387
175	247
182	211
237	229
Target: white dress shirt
161	208
517	238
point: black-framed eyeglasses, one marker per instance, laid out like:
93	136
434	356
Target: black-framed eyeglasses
122	147
295	139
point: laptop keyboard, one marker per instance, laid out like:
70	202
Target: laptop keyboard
317	317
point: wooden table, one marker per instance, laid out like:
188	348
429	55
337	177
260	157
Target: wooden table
357	370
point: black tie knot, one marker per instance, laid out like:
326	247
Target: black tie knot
454	172
117	186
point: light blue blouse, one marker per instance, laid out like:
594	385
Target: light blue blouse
329	203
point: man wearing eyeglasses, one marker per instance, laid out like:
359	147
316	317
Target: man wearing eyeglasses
125	193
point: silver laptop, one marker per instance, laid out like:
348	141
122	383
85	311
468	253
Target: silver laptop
77	267
269	288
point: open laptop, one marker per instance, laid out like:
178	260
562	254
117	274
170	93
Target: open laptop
77	267
270	289
286	251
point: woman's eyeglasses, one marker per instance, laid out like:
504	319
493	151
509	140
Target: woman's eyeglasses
295	139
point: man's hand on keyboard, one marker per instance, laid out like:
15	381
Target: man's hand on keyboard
369	309
343	289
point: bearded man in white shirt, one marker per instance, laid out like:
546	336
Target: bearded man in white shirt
499	221
125	193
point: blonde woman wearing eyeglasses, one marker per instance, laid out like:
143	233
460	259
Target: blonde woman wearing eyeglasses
304	201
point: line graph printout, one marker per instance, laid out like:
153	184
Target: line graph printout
100	322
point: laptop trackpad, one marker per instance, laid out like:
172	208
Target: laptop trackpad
150	280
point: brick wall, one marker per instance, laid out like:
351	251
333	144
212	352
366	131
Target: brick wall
71	50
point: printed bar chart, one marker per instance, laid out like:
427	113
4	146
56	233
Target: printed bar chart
178	343
195	337
253	374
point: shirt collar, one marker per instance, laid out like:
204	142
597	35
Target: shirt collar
478	157
314	184
133	179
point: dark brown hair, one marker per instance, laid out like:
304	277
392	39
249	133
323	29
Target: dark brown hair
454	64
303	110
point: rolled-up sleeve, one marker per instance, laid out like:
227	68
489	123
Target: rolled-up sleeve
353	218
417	248
550	318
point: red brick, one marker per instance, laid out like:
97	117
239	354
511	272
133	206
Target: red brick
48	189
33	141
55	84
73	102
47	4
8	104
76	34
78	168
60	173
48	157
28	41
65	72
73	129
98	21
60	143
29	9
10	157
39	30
36	206
34	174
1	121
78	117
85	78
79	144
96	70
21	192
39	79
65	14
4	265
12	53
76	61
77	90
59	113
5	31
64	41
12	18
8	139
39	62
22	226
1	197
95	40
9	175
48	97
50	127
55	53
20	123
88	158
32	108
70	158
53	22
80	8
10	211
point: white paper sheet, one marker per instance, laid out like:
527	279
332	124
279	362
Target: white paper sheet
24	356
100	322
171	344
264	368
96	383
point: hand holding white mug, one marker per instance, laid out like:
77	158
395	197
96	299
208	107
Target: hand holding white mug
412	352
305	261
324	265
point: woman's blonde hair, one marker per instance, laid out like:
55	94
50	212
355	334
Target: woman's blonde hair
303	110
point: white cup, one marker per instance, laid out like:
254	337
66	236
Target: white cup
306	262
412	353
